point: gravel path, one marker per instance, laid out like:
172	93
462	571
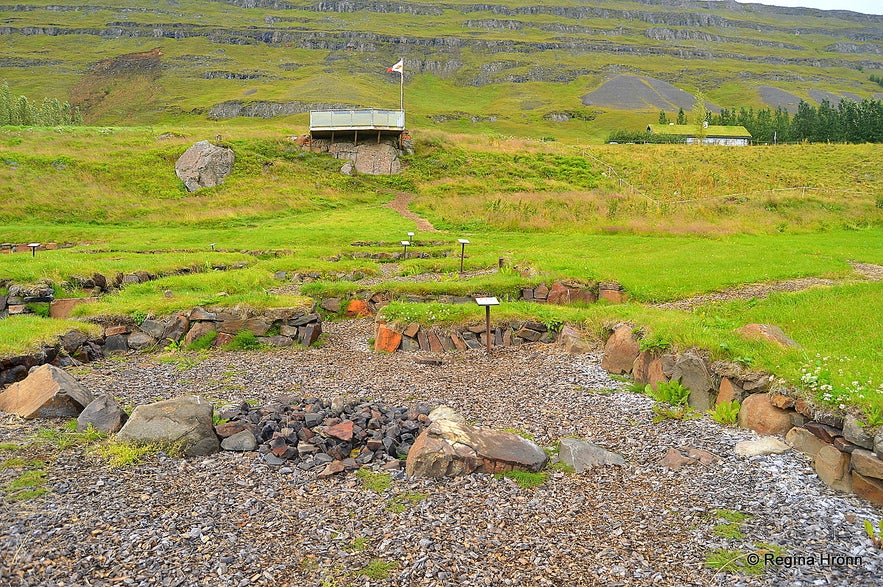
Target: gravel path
761	290
229	519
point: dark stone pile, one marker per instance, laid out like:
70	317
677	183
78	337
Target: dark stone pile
336	435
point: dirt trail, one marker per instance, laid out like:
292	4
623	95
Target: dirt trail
761	290
400	204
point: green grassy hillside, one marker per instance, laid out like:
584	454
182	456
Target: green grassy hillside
508	67
718	218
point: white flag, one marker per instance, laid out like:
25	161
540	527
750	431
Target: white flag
398	67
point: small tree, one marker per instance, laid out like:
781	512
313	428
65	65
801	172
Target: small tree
663	119
682	118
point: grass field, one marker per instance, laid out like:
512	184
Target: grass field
551	210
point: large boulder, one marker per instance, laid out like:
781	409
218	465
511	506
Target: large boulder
48	392
448	449
204	165
185	420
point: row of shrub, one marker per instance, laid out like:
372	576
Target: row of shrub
20	111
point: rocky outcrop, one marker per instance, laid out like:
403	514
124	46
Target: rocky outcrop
371	157
313	434
204	165
265	109
48	392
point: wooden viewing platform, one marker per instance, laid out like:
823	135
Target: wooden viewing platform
348	124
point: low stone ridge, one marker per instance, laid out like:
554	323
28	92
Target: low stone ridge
832	441
315	434
204	165
449	449
183	420
390	338
47	392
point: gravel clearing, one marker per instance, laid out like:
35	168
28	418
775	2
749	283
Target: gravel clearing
230	519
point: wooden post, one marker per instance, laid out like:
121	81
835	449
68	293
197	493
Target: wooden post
487	326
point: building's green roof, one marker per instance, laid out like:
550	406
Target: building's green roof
690	130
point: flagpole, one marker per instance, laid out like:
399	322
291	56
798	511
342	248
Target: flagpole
402	92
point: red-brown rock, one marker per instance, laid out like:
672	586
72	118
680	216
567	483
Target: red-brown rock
448	448
641	367
832	467
198	330
729	392
758	414
783	401
342	431
357	309
115	330
656	371
435	344
558	294
867	463
48	392
387	339
621	350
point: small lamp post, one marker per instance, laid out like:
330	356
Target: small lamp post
34	247
406	244
487	303
463	242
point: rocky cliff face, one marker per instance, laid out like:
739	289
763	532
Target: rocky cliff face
470	45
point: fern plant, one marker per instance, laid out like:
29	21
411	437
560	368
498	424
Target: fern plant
671	393
726	413
671	398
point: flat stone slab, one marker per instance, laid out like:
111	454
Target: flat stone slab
582	455
449	449
48	392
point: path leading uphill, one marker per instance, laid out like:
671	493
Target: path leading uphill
400	204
